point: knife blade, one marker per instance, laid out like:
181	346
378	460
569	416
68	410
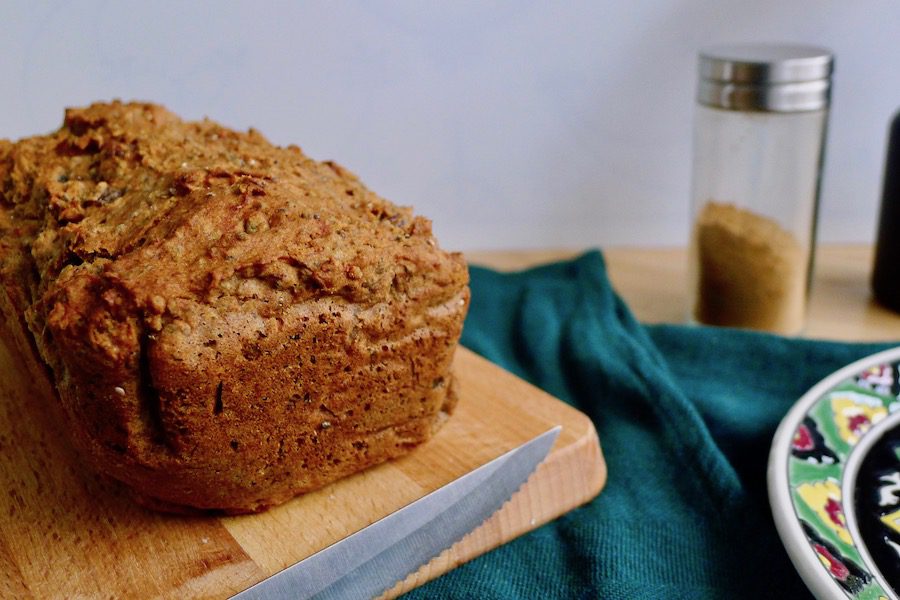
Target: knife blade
375	558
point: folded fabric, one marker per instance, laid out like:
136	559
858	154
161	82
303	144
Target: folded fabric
685	415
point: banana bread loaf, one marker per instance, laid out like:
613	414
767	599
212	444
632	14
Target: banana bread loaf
227	323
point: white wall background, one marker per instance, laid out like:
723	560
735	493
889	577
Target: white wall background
510	123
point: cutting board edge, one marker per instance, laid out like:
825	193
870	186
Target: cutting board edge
577	423
582	457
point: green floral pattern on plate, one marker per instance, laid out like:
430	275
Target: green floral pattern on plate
821	444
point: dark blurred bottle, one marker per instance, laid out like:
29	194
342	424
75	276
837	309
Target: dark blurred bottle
886	274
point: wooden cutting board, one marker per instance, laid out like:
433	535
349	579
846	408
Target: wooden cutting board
66	533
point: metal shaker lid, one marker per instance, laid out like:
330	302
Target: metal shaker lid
765	77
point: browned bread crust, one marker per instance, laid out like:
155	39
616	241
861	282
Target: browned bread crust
227	323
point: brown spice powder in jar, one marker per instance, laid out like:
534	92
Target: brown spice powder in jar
751	273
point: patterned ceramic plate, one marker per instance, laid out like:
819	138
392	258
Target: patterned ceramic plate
834	481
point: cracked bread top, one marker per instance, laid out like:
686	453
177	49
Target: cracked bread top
188	285
166	211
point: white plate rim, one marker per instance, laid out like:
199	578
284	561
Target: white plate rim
788	525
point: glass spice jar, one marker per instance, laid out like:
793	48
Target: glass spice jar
759	134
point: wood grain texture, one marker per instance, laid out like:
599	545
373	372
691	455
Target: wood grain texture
653	282
65	532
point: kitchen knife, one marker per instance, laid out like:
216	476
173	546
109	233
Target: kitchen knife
375	558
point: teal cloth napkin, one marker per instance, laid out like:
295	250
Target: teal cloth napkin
685	417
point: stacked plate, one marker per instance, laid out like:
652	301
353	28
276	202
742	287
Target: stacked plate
834	481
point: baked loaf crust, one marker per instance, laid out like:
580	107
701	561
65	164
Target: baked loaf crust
227	323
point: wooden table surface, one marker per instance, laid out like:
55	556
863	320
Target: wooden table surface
653	282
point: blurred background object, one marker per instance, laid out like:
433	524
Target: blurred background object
511	124
886	269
